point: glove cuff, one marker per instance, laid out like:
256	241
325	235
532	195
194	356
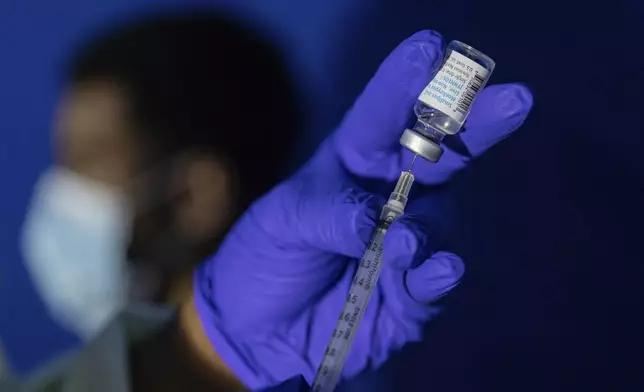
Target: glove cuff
225	347
260	363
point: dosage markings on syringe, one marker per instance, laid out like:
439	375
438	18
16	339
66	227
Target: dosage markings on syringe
370	262
345	332
361	285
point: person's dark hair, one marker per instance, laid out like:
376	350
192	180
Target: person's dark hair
202	82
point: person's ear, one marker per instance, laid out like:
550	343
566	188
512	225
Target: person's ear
208	205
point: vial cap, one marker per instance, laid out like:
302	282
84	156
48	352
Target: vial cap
421	145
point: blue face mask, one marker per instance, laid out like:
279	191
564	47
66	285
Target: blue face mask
74	246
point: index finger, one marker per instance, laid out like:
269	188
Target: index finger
374	124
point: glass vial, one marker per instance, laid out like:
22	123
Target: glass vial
445	103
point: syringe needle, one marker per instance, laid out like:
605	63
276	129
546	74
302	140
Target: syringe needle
412	162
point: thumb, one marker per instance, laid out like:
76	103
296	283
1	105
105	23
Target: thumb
435	277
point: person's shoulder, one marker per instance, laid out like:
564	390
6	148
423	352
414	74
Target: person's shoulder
102	363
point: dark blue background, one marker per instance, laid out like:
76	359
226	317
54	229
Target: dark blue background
549	221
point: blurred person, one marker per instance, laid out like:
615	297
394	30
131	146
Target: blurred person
167	128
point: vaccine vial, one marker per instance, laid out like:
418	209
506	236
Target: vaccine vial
445	103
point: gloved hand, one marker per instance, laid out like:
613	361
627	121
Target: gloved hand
269	299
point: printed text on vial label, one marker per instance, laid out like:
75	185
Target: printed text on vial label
453	88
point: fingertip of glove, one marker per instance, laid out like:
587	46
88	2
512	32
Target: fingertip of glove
511	100
519	102
425	47
449	265
435	277
401	246
429	37
497	113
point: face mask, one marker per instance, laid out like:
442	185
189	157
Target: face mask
74	246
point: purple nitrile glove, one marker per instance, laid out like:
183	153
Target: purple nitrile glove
270	298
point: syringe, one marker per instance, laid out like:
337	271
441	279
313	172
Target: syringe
438	115
362	287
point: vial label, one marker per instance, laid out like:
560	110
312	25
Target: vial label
454	87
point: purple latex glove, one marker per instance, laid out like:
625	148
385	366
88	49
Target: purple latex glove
269	299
